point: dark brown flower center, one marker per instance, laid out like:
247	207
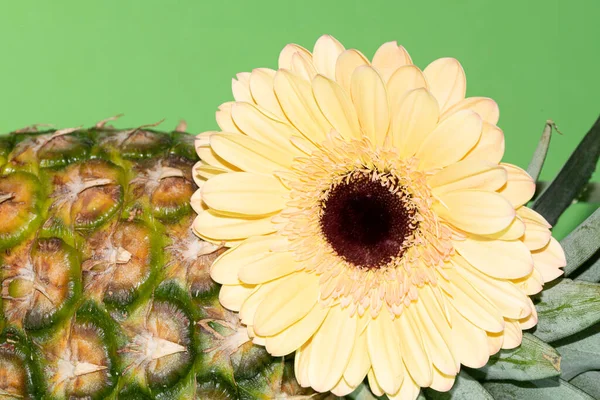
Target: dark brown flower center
365	223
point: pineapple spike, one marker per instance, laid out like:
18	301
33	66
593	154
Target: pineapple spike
6	196
181	126
101	124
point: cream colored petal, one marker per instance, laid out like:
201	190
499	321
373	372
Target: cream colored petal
249	154
204	172
442	382
269	266
359	363
514	231
384	352
302	363
342	388
475	211
414	355
332	346
336	106
447	82
450	141
531	320
248	309
486	108
536	236
373	384
303	67
519	188
414	119
531	284
468	174
265	128
215	226
436	332
402	81
389	57
490	146
496	258
241	87
261	88
513	335
529	215
504	294
287	54
470	342
475	306
208	156
225	268
346	63
244	193
370	101
233	296
409	390
495	341
297	101
549	259
289	302
224	119
325	54
298	333
196	202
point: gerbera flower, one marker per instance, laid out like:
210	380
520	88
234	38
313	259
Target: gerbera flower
372	228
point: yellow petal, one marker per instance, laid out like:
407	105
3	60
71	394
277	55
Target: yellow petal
291	300
414	119
264	128
224	119
388	58
373	384
297	101
269	266
531	320
468	174
298	333
486	108
450	141
549	259
409	390
249	154
536	235
442	382
475	211
514	231
495	341
519	188
384	352
359	363
496	258
342	388
405	79
513	335
470	342
325	54
527	214
303	67
220	227
346	63
505	295
208	156
232	296
302	364
447	82
490	146
248	309
414	355
203	172
225	268
244	193
332	346
475	306
287	54
241	87
196	202
531	284
335	104
261	88
370	100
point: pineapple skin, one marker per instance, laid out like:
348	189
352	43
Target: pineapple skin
106	292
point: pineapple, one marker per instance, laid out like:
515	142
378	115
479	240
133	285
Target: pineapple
105	290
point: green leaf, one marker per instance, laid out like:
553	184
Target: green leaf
465	388
582	243
591	270
589	382
363	392
589	194
580	353
544	389
534	359
567	308
572	178
537	161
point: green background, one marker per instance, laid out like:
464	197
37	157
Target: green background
73	62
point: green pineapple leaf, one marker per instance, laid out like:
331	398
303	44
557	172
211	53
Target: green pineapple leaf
589	382
539	156
582	243
465	388
567	308
591	270
534	359
580	353
572	178
542	389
